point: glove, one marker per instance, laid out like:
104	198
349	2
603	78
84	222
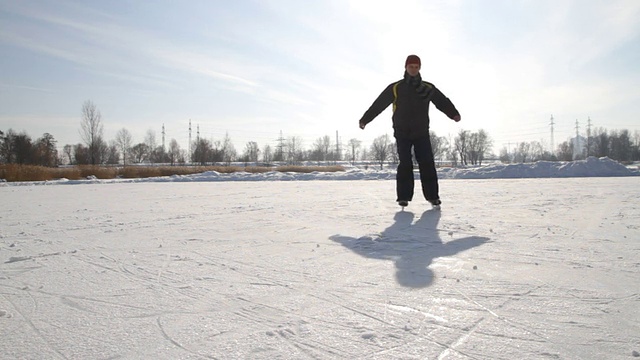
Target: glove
362	125
456	118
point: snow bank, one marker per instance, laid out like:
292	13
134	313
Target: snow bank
591	167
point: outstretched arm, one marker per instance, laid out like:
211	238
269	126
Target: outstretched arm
445	105
382	102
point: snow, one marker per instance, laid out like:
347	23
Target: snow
245	266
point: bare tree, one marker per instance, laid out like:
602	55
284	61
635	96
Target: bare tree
202	151
151	142
81	154
267	155
174	151
504	156
113	154
536	150
354	146
439	145
523	152
68	151
565	151
123	141
380	149
326	147
7	151
321	149
484	145
393	153
294	151
251	152
228	150
462	145
92	131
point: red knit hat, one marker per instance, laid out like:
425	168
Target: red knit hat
412	59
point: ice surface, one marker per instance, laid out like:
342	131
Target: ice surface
508	269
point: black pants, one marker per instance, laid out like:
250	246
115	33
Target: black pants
428	175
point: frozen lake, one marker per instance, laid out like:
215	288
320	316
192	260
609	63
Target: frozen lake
508	269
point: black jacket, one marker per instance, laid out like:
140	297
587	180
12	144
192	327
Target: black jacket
411	111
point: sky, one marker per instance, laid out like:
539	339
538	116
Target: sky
258	70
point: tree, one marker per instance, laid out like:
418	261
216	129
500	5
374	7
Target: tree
505	157
251	152
600	142
156	152
202	151
2	159
326	147
479	144
380	149
123	141
439	145
462	145
23	149
140	152
113	154
565	151
635	154
321	149
354	147
81	154
523	152
228	150
46	153
294	151
92	131
621	146
68	151
393	158
267	155
174	151
7	152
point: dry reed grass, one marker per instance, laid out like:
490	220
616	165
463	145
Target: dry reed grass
13	172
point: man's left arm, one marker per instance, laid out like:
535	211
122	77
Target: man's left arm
445	105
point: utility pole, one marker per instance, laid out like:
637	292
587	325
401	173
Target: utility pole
281	146
576	144
189	140
338	157
163	148
552	144
588	136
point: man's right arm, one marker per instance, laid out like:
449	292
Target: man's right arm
379	105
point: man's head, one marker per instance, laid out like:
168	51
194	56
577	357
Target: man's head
412	65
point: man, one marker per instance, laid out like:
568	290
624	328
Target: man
410	98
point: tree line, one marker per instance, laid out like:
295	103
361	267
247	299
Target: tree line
466	148
619	145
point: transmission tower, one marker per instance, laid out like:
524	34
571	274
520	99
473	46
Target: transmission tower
189	138
338	157
552	144
163	148
588	136
576	144
281	146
